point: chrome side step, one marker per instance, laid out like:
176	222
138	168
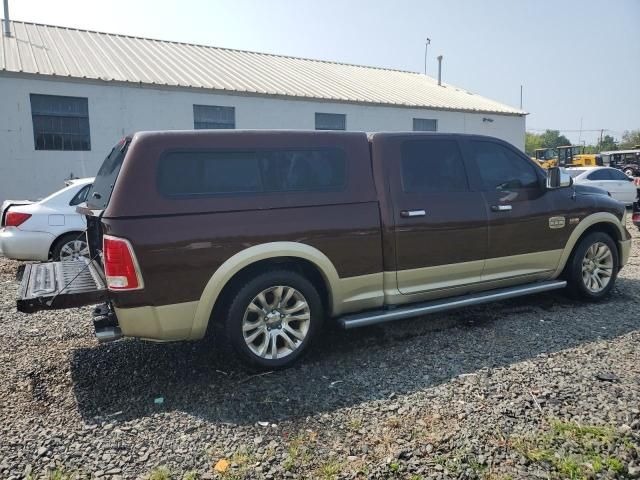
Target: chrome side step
371	318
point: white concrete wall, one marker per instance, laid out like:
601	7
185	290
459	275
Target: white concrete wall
116	110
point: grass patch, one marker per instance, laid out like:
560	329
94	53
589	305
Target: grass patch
328	470
572	451
160	473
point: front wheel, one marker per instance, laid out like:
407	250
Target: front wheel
273	318
630	172
593	267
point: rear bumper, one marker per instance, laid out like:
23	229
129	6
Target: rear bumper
25	245
158	323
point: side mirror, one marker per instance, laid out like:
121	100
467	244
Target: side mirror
558	178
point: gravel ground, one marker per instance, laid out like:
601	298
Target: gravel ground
539	387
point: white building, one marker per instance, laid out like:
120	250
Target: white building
67	96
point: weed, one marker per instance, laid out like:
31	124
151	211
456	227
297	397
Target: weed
190	475
394	467
160	473
329	470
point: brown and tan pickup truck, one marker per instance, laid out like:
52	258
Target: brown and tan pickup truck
259	238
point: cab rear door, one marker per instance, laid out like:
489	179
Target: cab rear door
439	221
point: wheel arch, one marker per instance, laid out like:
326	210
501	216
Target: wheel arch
55	241
598	222
306	258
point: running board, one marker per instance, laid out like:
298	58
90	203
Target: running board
371	318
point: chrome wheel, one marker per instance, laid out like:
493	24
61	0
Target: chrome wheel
276	322
597	267
73	250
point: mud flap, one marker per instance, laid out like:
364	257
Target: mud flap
58	285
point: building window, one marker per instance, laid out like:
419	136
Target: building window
331	121
60	123
425	125
213	116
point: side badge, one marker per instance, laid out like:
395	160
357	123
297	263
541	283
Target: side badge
556	222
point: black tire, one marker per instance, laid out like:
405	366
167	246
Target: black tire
59	244
245	295
576	286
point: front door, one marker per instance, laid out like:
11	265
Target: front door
440	224
526	229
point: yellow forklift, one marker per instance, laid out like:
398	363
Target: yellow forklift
574	156
546	157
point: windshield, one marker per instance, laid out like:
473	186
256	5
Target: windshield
574	172
100	193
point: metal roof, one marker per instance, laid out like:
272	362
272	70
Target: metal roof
69	52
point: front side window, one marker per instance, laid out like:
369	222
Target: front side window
258	171
432	166
213	117
600	174
425	125
331	121
500	168
60	123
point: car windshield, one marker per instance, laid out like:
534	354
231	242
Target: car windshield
574	172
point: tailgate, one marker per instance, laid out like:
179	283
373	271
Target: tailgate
56	285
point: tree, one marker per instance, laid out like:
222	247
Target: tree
548	139
553	139
630	138
531	142
606	144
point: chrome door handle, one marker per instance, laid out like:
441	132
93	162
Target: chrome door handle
412	213
501	208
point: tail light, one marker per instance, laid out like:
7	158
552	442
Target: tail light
635	218
15	219
120	265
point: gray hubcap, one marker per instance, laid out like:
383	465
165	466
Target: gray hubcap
276	322
597	267
73	250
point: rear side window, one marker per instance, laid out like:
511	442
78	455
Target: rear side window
100	192
81	196
432	166
500	168
258	171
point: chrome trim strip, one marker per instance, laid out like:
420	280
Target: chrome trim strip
371	318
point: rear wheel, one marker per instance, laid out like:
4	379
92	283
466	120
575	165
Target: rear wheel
70	246
593	267
630	172
273	318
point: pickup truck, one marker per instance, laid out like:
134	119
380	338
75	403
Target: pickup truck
259	238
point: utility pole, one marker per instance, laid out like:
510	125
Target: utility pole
520	97
426	47
601	133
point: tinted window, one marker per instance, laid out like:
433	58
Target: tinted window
618	175
217	172
331	121
500	168
81	196
213	116
100	192
602	174
197	173
425	125
60	123
432	166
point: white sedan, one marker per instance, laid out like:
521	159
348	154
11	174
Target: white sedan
619	185
46	229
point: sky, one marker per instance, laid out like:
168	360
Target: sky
578	60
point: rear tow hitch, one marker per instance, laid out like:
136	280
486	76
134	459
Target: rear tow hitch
105	324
